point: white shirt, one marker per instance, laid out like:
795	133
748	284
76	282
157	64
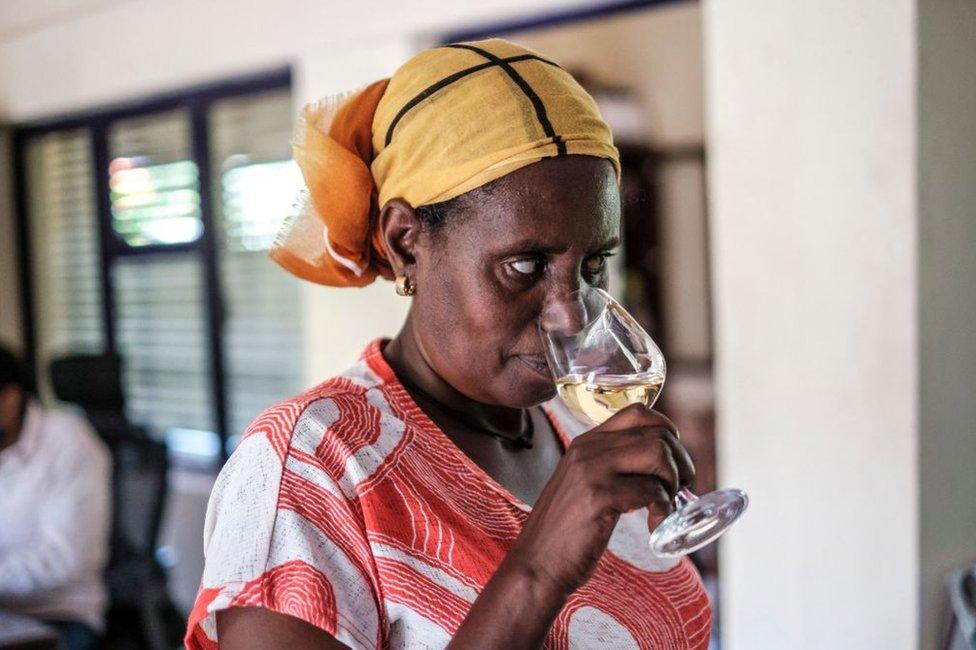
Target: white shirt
55	510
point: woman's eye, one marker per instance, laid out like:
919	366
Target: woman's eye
595	265
527	266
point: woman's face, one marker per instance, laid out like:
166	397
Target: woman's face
485	275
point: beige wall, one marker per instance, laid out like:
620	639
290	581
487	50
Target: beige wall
947	298
11	332
811	132
684	248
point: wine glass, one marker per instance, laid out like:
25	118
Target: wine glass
602	361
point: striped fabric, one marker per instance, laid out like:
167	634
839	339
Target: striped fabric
348	508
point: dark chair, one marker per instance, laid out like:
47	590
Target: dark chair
141	614
961	634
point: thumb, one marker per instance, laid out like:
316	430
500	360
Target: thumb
658	511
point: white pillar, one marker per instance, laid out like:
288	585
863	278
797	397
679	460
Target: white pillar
811	128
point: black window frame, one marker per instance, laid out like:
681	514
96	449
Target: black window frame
197	102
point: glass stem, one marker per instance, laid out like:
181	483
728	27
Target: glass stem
683	498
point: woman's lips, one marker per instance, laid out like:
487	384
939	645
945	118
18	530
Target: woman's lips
537	363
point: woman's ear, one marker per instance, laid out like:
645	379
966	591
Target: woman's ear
401	229
11	405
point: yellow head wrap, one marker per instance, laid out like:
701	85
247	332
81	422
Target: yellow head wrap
451	119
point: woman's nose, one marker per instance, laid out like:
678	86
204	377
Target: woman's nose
564	312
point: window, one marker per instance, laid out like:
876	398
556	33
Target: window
149	229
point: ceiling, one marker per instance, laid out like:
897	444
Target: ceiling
23	17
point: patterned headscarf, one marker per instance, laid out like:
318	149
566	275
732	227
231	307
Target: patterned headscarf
451	119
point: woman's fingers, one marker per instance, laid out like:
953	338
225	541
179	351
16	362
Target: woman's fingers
686	468
635	415
636	418
642	451
635	491
633	461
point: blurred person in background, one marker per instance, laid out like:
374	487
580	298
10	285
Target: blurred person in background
55	486
436	494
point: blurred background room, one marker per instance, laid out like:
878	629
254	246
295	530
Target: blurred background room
799	224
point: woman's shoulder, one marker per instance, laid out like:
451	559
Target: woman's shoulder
294	422
283	513
284	440
283	529
300	423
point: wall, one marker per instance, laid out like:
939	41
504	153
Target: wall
810	122
116	49
947	299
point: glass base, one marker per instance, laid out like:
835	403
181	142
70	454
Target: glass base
697	522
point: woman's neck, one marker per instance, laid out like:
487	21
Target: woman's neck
409	361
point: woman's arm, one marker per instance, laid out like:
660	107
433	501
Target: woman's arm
254	628
514	610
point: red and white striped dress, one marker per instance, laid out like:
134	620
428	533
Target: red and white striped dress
348	508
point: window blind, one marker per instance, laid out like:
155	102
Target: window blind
256	187
161	334
161	326
65	252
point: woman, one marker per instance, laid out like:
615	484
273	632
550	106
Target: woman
436	494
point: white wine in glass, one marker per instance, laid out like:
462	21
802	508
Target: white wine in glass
600	398
603	361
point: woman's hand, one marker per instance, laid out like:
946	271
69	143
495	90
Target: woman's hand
632	460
